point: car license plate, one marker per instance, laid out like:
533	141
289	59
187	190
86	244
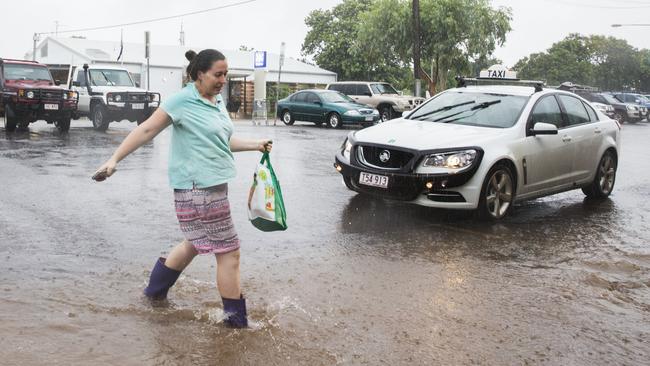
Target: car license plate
368	118
51	107
373	180
137	106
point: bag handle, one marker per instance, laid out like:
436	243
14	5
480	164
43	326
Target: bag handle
266	161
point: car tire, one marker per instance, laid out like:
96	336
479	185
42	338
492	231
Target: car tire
603	183
287	117
334	120
386	113
10	122
619	118
63	124
99	118
497	193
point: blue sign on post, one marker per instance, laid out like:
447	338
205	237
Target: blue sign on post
260	59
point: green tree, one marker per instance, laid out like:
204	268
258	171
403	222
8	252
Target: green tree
567	60
604	62
454	34
331	38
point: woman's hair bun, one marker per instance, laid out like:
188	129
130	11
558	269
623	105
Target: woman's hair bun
190	55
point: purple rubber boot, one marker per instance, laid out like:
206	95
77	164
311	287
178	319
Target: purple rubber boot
161	280
235	311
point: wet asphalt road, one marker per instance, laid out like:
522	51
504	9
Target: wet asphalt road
354	281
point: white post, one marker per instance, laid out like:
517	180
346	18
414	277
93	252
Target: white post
277	88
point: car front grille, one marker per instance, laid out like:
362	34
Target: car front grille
139	97
50	94
365	111
383	158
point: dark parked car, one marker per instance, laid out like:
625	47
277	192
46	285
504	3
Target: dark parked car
635	98
624	112
325	106
598	101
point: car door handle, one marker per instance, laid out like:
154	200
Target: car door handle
597	130
566	138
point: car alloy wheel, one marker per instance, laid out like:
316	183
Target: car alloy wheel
99	118
498	193
619	118
385	114
603	183
607	170
334	121
287	118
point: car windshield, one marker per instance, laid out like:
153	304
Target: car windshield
336	97
26	72
476	109
110	78
610	99
383	88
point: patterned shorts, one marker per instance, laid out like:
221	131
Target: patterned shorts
204	217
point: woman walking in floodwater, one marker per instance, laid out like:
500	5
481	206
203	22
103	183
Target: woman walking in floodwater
200	165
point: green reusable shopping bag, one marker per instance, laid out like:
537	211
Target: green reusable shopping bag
265	205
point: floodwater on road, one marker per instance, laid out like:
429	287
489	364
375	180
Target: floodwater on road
355	280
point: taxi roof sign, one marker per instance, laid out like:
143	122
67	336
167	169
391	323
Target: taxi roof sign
498	72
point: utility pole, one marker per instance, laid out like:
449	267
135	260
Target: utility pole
277	87
34	47
147	54
416	47
182	37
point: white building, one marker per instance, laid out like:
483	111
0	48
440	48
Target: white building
166	63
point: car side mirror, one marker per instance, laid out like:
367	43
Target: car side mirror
367	94
76	83
541	128
57	82
137	84
400	92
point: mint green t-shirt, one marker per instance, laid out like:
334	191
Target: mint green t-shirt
200	153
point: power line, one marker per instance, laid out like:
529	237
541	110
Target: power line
155	19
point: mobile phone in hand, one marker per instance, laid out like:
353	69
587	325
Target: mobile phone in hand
100	176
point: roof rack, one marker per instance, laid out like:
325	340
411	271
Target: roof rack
569	86
463	81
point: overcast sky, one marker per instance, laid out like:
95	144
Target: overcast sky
264	24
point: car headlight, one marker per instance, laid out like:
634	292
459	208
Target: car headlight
347	148
118	98
153	97
375	112
65	96
455	160
30	94
353	112
629	107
